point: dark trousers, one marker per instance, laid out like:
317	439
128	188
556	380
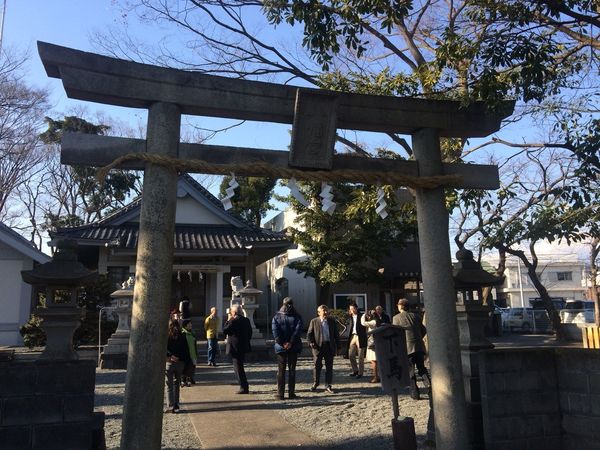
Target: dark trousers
188	372
173	372
213	349
238	369
417	360
324	353
286	359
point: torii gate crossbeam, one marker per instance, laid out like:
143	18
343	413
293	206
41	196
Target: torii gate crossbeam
315	115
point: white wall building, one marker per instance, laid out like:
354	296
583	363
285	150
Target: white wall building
16	254
278	281
563	275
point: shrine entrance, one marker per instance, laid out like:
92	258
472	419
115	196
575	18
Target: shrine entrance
315	116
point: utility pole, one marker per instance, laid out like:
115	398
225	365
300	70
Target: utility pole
2	23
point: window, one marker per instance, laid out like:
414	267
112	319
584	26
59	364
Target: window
564	276
341	301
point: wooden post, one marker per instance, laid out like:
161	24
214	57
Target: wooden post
440	300
144	391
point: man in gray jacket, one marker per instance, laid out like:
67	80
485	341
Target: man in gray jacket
415	348
324	341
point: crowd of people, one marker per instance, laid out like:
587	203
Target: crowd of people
287	325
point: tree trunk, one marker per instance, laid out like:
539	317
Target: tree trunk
533	276
324	295
547	301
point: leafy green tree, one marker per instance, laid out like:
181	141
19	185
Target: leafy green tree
78	197
349	244
251	199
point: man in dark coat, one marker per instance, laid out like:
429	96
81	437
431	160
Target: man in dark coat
324	340
357	341
239	332
287	329
415	348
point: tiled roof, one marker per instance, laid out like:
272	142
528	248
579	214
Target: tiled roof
187	237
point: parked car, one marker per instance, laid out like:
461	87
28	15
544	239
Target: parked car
578	311
526	320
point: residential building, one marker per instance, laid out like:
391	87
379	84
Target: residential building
16	254
562	274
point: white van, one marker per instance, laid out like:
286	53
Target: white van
578	311
526	320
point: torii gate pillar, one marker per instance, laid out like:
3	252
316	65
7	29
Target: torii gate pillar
143	407
451	424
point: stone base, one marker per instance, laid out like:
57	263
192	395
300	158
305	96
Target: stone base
113	361
47	405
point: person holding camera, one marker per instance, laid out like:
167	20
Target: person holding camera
370	320
239	332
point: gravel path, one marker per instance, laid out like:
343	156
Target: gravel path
358	415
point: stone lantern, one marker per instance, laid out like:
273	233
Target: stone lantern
60	280
115	352
248	295
472	284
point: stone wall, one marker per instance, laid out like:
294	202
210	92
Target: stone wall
541	398
579	397
46	405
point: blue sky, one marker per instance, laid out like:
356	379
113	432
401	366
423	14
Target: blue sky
72	23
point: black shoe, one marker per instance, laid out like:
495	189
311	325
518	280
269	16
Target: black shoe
293	396
279	397
358	376
314	387
329	389
353	374
415	394
242	391
214	364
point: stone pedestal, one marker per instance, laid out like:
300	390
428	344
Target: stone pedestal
249	314
472	319
60	322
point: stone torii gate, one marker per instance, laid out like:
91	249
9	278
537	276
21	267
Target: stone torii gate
315	115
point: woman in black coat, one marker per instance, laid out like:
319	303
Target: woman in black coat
177	356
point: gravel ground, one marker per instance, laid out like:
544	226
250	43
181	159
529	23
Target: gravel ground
178	432
358	415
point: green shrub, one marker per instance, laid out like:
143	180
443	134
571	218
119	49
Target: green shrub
33	335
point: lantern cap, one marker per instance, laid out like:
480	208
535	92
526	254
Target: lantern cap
63	270
468	273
